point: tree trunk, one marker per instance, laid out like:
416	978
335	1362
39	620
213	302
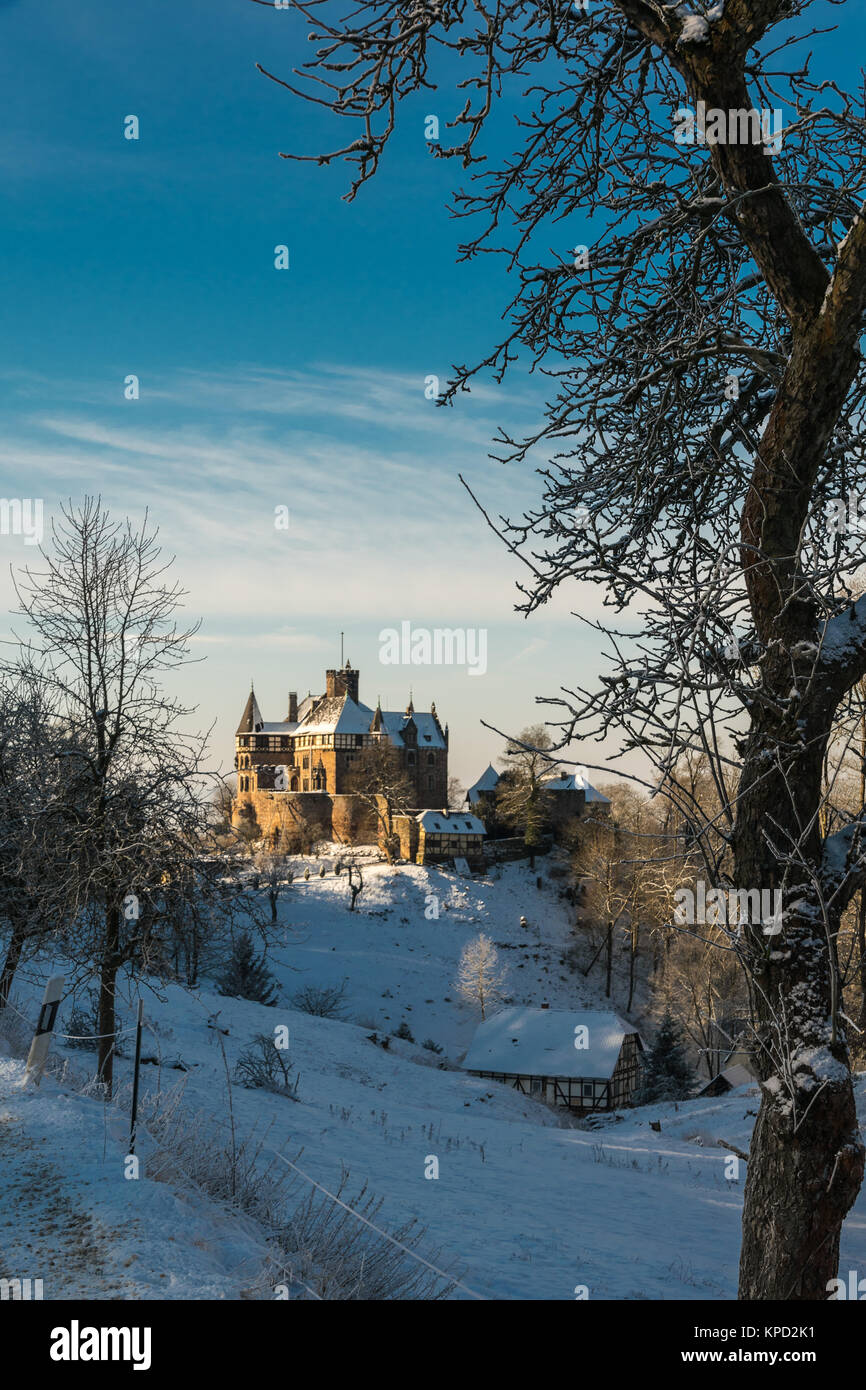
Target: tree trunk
107	990
806	1158
10	965
861	946
631	965
799	1187
609	958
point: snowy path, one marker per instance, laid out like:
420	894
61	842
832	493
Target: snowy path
69	1217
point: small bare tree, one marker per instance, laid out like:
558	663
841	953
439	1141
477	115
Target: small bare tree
380	783
480	977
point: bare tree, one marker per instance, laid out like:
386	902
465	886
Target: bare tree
706	407
380	783
522	801
101	631
274	876
480	977
35	794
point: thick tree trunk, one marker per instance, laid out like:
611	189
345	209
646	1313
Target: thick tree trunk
806	1158
800	1185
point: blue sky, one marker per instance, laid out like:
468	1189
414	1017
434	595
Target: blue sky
259	387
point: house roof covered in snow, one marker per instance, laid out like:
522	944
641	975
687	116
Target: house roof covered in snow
733	1076
438	823
487	782
577	781
541	1042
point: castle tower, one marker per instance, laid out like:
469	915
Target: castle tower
344	682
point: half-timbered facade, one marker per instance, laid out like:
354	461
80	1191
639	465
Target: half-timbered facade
586	1061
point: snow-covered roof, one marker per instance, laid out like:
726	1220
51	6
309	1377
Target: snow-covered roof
541	1042
736	1075
582	782
438	823
576	782
487	782
338	714
428	730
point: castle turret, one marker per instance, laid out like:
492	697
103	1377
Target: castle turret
251	719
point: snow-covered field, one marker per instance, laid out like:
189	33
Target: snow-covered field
526	1204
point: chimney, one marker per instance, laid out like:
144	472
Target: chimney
293	707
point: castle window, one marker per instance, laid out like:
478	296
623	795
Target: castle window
430	759
430	782
306	760
410	758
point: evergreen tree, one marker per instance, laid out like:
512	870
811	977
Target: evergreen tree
245	976
668	1075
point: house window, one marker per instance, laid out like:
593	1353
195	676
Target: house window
359	740
536	1086
588	1089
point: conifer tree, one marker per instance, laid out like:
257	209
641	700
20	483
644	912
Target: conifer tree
246	976
668	1075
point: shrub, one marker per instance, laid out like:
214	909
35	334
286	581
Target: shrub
431	1046
404	1032
323	1001
263	1066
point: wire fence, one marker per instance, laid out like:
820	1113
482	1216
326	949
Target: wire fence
326	1192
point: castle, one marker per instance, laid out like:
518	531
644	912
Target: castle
303	764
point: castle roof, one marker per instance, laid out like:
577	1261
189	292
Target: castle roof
336	714
251	719
487	782
340	714
429	733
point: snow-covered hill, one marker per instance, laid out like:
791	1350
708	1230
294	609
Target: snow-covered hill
525	1206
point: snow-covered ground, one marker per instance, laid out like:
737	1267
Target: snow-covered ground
526	1205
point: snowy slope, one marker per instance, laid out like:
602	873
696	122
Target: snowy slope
526	1205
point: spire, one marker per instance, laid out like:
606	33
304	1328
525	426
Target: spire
376	724
251	719
410	708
